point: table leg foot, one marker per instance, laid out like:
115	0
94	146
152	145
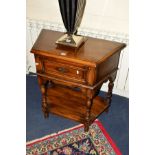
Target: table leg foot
86	127
46	115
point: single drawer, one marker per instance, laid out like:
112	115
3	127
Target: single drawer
64	70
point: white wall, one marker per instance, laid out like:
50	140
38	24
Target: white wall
107	19
111	15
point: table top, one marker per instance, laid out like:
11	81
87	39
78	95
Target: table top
93	51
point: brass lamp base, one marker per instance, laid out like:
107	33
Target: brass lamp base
71	40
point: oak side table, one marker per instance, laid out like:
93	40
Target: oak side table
70	80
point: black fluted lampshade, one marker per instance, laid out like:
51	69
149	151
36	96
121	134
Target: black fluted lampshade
72	13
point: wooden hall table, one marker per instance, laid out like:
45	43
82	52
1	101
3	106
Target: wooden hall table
70	80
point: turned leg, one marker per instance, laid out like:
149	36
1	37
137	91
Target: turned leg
87	123
43	86
44	102
109	93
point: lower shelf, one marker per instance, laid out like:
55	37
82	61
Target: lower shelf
72	104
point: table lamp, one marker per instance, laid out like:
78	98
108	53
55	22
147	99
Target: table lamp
72	13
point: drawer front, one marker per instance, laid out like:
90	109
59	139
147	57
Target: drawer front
64	70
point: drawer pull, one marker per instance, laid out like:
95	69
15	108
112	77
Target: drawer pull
62	70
